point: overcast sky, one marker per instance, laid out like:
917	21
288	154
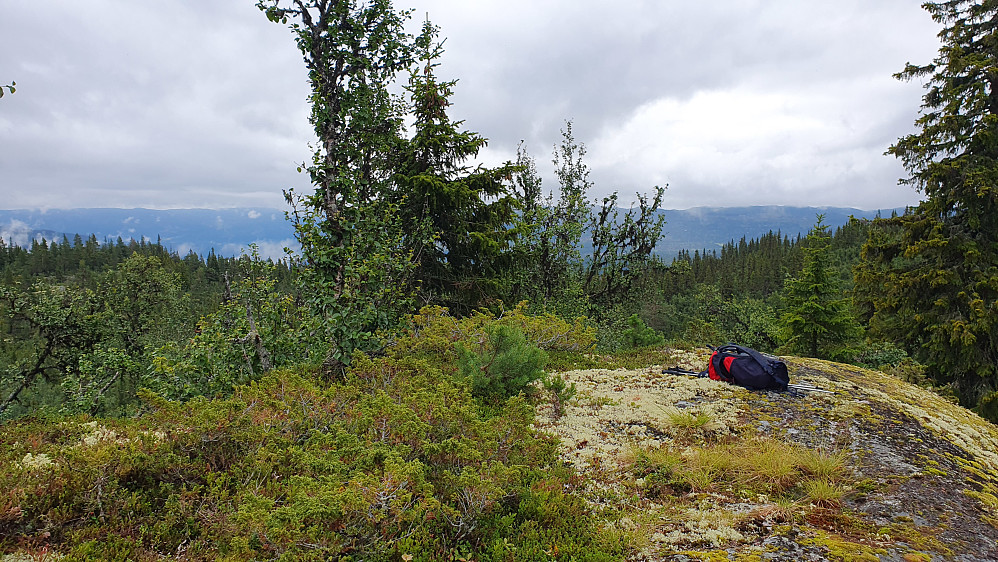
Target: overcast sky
201	103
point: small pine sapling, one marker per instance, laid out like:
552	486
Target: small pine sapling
505	364
561	392
640	335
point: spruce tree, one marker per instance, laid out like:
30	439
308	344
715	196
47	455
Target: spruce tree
817	321
929	278
465	208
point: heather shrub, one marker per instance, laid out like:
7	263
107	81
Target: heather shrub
397	458
433	333
552	523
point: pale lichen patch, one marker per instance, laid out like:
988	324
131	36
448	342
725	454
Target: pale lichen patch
40	460
711	527
99	434
616	410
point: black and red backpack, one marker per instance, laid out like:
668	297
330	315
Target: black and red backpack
747	367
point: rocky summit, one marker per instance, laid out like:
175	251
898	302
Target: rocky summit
873	469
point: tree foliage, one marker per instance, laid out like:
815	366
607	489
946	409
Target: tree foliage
50	329
359	274
467	209
817	320
550	252
622	248
256	328
87	350
83	324
640	335
930	277
576	257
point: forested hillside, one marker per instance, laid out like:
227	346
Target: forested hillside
375	395
227	232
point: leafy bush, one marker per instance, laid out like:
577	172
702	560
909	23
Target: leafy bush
433	334
258	327
879	355
699	333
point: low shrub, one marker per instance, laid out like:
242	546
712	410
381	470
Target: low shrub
396	458
561	392
879	355
638	334
434	333
503	365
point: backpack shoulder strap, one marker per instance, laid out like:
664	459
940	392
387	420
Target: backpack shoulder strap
750	352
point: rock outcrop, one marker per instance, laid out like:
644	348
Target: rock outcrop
876	469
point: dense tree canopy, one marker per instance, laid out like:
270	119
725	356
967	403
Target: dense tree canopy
930	278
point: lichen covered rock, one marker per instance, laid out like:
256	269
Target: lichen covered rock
877	469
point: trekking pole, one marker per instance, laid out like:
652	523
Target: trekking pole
685	372
808	387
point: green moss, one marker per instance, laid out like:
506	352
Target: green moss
867	485
842	549
919	538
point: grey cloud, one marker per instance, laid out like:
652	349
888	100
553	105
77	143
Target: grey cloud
16	233
181	104
138	103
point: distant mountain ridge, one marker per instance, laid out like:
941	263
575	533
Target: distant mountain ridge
231	231
227	231
709	228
